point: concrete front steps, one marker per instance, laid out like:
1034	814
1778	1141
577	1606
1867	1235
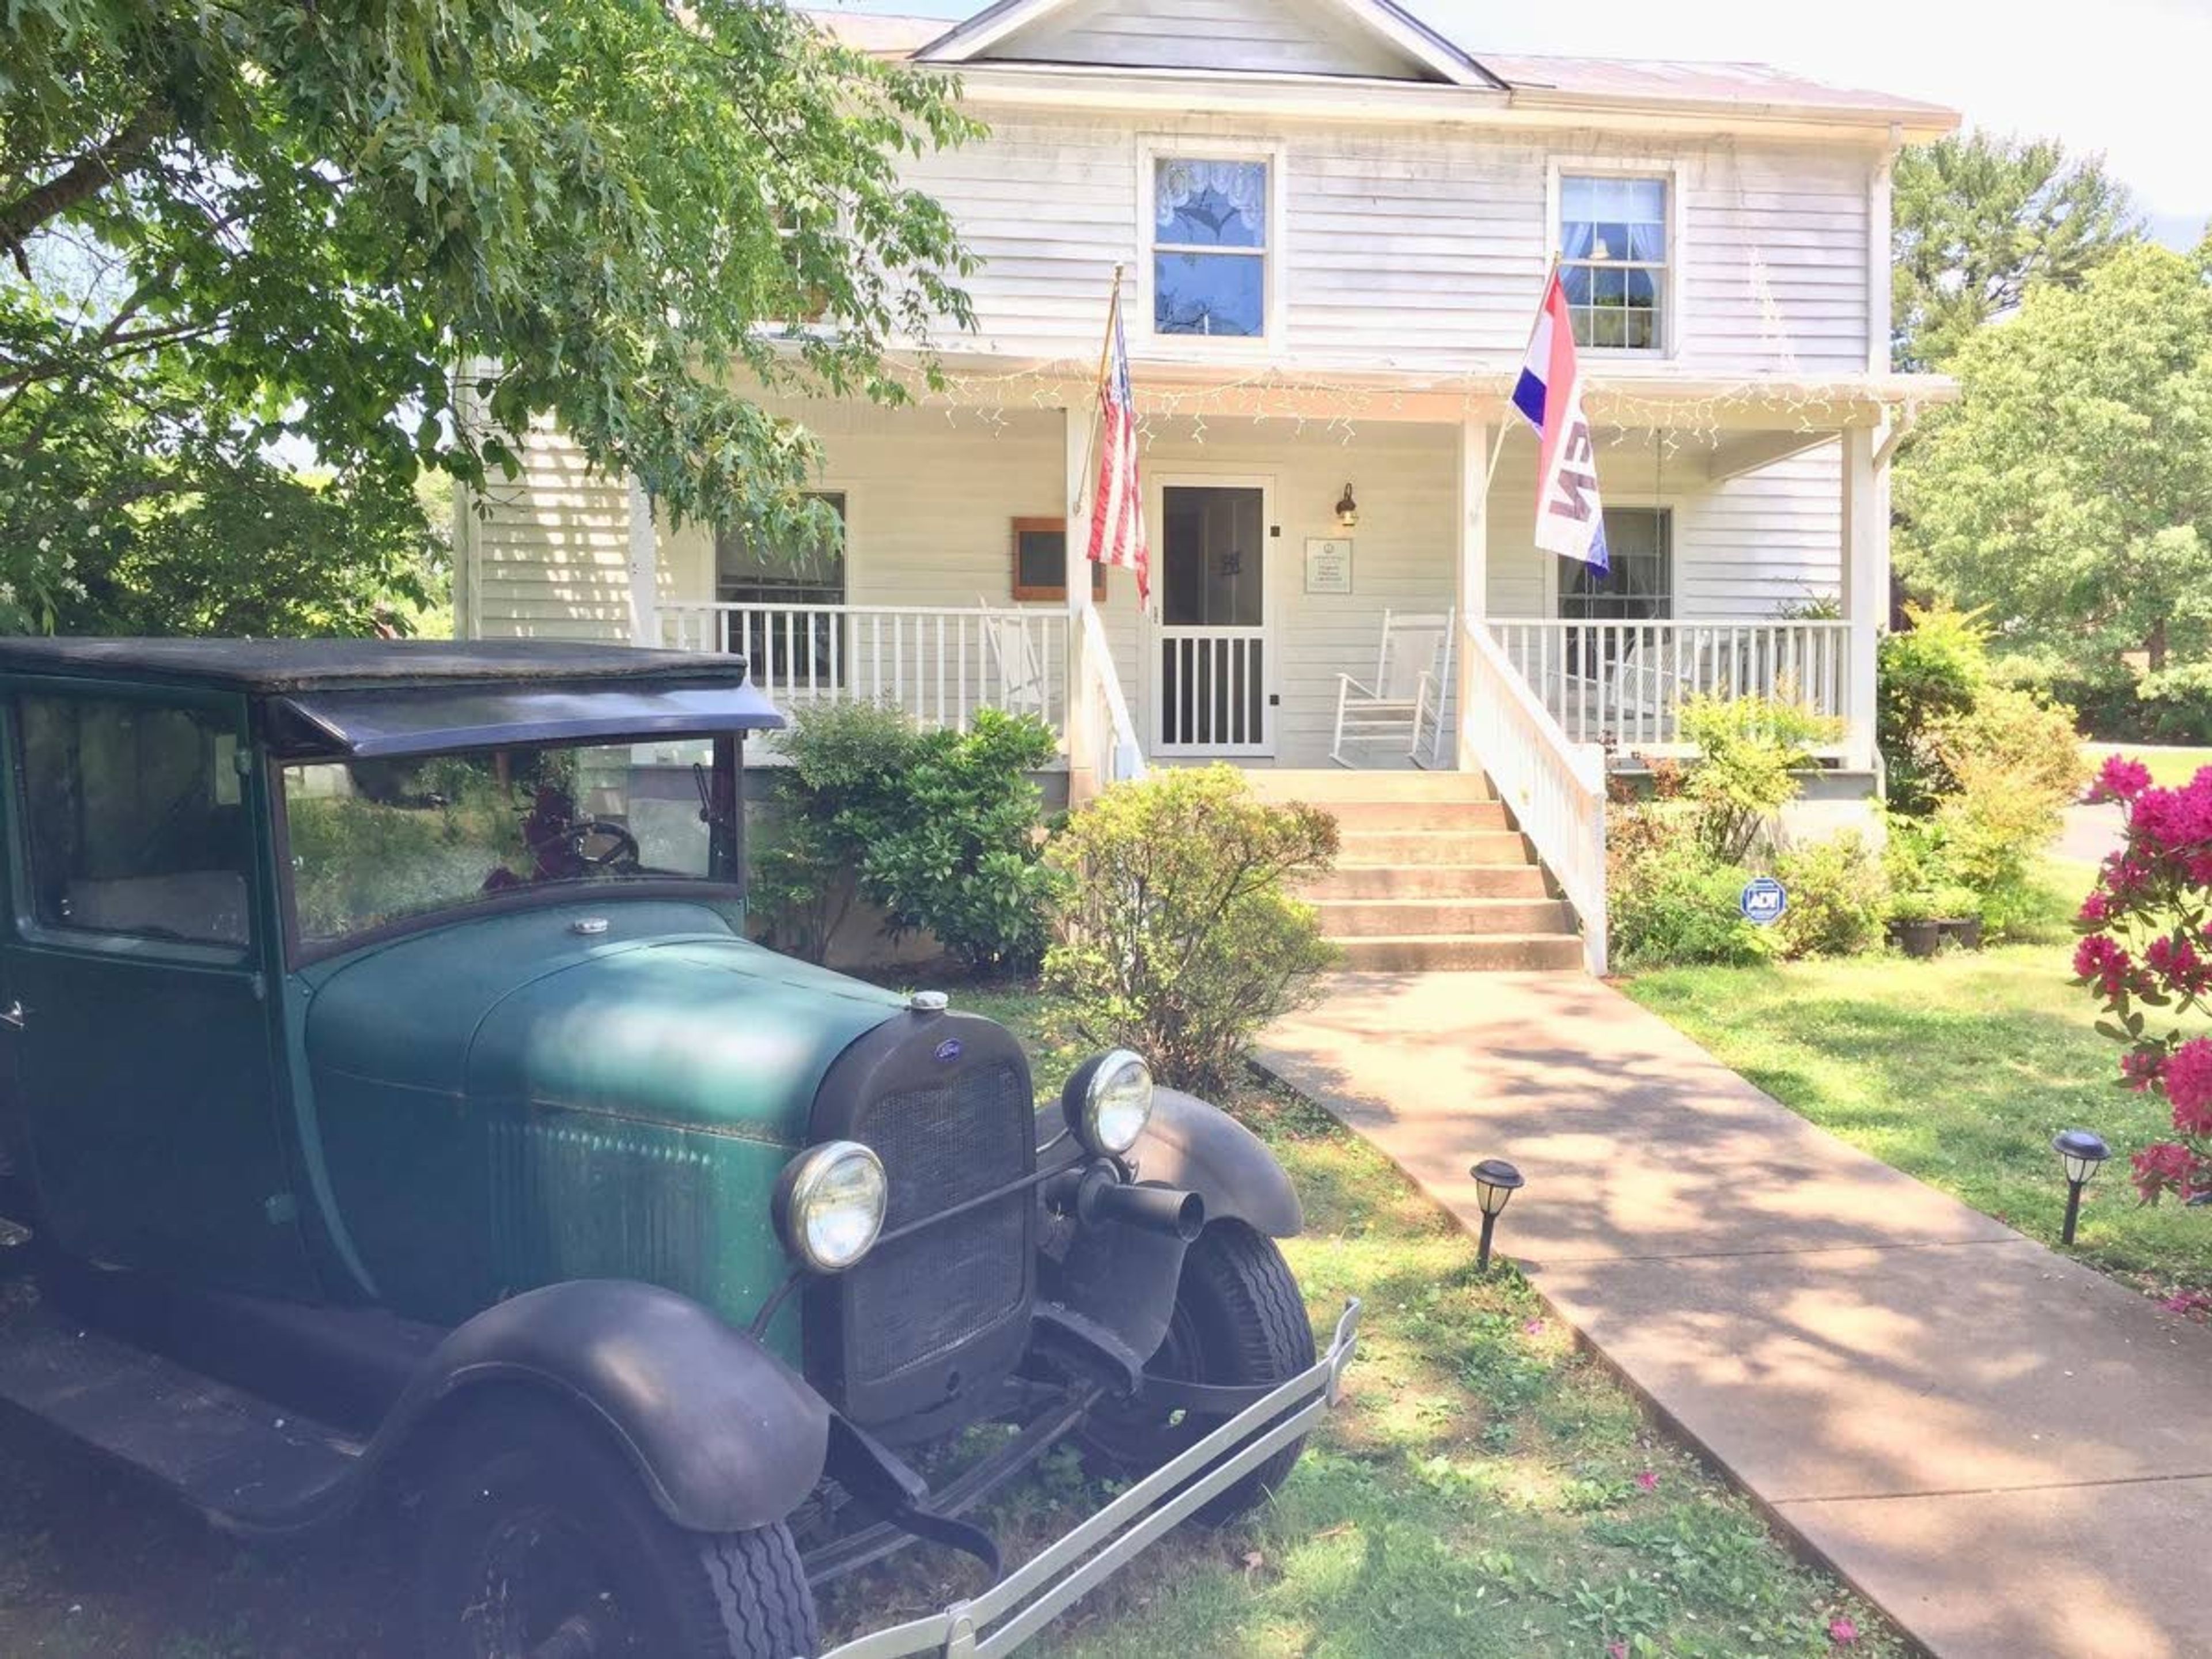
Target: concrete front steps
1433	874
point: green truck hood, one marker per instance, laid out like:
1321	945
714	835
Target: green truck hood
665	1017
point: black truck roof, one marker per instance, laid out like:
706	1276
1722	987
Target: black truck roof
278	666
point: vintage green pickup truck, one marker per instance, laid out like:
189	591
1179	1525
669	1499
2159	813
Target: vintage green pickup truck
391	1102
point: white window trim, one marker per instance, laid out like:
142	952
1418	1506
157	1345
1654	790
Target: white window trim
1629	501
1674	302
1144	341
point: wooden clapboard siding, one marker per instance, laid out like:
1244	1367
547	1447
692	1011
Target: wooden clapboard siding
1279	37
1746	548
1415	246
549	554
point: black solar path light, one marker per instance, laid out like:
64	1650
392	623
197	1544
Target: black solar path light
1495	1183
2081	1153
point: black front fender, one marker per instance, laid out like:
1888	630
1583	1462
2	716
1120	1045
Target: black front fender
1201	1149
725	1435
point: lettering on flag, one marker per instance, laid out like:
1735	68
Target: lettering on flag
1570	515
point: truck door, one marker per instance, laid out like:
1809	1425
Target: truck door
133	988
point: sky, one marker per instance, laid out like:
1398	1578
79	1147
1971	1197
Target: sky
2125	78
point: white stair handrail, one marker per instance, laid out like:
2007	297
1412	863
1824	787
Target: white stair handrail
1116	754
1554	787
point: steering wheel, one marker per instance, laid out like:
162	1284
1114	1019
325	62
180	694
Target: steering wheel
621	848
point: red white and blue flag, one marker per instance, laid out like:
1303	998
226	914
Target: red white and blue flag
1117	505
1569	519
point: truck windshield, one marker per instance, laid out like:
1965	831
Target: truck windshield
377	841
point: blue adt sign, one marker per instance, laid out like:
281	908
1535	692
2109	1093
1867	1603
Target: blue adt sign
1764	900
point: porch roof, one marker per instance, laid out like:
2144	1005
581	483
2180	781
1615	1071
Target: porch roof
1629	396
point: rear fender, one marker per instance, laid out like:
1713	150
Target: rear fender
724	1435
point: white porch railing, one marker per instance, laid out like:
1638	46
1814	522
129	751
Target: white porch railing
1116	754
1622	684
938	663
1555	787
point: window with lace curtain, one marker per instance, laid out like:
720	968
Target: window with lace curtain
1614	260
1209	240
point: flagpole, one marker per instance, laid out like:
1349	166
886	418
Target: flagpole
1497	444
1097	385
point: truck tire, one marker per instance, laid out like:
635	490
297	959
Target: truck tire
1238	1319
539	1539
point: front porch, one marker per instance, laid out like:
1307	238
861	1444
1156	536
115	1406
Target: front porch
1750	558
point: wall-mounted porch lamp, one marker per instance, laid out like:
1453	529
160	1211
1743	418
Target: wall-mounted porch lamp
2081	1153
1495	1183
1347	510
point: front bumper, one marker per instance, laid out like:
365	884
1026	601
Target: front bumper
1028	1599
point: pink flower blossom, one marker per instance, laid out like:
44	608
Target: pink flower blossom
2096	910
2188	1304
1648	1480
2168	1166
1533	1327
1616	1651
2141	1067
1842	1632
2099	959
2174	960
2120	779
2188	1080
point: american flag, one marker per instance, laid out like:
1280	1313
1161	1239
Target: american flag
1117	505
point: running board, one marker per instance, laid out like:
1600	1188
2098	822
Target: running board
248	1466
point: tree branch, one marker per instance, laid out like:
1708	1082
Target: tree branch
91	172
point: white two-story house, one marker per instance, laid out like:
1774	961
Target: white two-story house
1331	227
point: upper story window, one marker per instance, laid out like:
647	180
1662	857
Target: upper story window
1614	260
1209	238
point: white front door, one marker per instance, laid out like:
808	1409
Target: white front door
1212	665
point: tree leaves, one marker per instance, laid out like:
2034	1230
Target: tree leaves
239	223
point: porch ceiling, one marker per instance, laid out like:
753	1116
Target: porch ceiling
1641	396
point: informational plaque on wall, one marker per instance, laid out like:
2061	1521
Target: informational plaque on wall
1329	564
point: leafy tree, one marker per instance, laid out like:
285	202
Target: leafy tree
1977	219
226	224
2070	491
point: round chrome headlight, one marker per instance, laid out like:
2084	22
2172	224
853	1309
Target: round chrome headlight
829	1205
1109	1101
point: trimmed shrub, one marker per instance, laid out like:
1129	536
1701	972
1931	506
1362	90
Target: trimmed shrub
1676	904
1932	671
1750	750
1839	898
939	829
1174	933
2015	765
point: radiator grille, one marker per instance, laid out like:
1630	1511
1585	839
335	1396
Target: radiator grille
921	1298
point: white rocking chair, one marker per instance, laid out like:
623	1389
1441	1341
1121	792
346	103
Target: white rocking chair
1405	704
1022	685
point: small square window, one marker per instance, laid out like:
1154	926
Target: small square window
1210	231
1041	562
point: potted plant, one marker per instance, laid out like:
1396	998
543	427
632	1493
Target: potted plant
1959	916
1913	924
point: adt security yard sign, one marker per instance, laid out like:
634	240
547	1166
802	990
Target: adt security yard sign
1764	901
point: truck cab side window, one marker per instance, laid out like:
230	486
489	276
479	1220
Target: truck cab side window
136	820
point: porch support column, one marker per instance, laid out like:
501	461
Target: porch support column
1083	781
1471	563
644	562
1866	583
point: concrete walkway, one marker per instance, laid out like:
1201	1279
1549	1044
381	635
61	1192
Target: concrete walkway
2008	1453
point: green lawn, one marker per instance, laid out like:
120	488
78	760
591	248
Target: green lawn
1486	1489
1958	1071
2170	766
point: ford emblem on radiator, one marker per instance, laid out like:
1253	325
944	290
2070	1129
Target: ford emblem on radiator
949	1050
